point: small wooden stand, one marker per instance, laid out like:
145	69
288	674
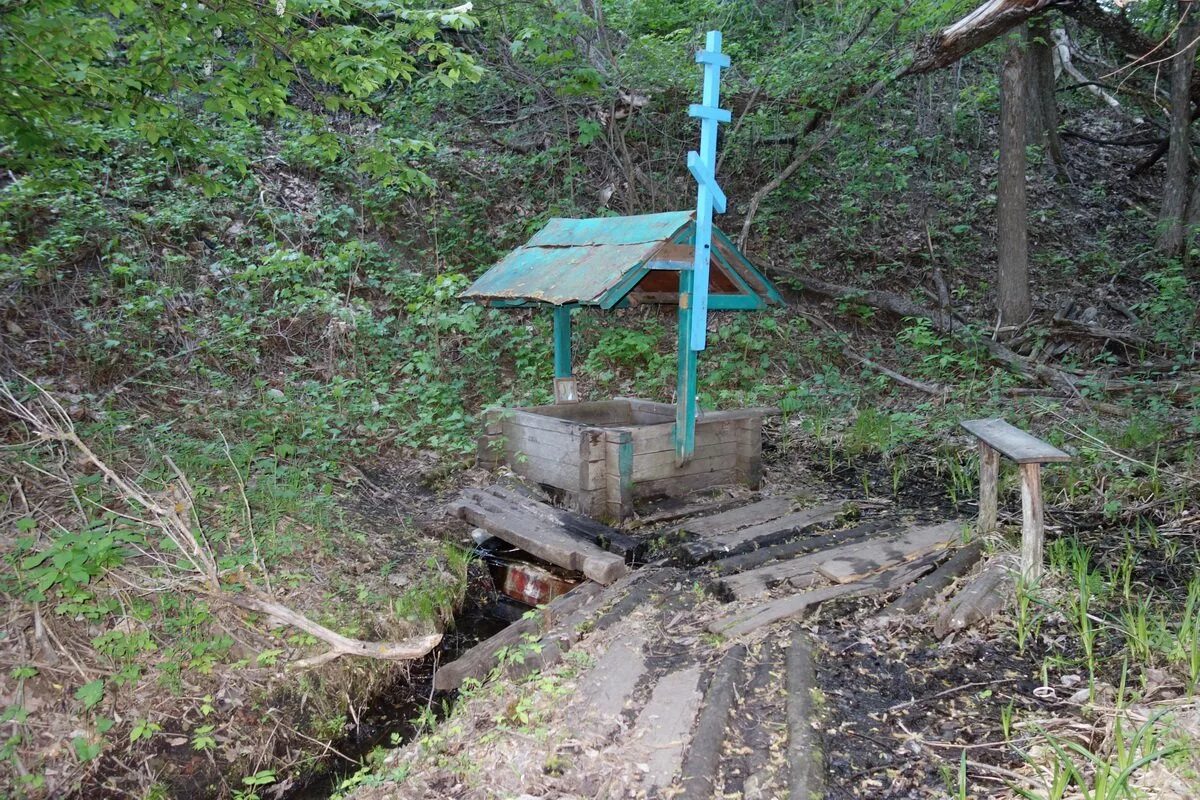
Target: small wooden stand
996	437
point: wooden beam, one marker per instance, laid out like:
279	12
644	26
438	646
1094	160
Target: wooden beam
989	476
1032	523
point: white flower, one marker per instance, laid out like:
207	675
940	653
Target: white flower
280	7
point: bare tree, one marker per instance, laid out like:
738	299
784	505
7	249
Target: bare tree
1012	287
1043	111
1179	152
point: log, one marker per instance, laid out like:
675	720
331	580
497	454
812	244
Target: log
935	582
703	758
942	322
982	25
761	535
757	616
577	525
804	757
479	661
911	544
548	543
800	546
986	594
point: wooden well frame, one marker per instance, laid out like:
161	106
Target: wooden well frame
605	455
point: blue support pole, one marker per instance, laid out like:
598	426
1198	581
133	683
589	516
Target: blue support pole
693	284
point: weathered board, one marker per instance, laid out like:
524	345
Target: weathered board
483	657
874	555
751	619
1013	442
546	540
606	454
807	570
597	533
740	517
761	535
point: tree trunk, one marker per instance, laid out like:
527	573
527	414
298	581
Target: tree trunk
987	21
1043	111
1179	152
1012	288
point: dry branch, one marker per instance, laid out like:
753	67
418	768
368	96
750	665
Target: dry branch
943	322
168	511
985	23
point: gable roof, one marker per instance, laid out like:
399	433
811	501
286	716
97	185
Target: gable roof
601	261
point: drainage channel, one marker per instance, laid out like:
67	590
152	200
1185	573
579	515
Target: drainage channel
513	583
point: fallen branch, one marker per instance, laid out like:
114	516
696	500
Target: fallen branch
942	322
407	650
988	21
988	592
935	582
832	128
1153	141
1062	63
167	512
935	389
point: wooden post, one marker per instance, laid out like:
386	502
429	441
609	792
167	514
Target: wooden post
989	476
1032	524
749	450
593	490
618	473
685	381
489	450
565	390
562	341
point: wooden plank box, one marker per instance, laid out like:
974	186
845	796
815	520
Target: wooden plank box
604	455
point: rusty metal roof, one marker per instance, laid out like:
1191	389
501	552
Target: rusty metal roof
577	260
596	261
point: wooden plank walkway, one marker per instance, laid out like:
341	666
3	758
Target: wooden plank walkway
659	707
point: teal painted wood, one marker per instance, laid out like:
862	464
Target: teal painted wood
709	197
625	463
624	286
735	302
562	341
638	229
685	378
762	285
604	274
559	275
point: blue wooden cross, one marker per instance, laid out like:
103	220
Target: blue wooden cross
693	283
703	166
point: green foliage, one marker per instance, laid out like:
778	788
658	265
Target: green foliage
66	567
1172	312
77	72
90	694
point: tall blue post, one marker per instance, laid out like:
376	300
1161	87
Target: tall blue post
693	284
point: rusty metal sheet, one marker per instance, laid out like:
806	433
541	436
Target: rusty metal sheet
532	585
